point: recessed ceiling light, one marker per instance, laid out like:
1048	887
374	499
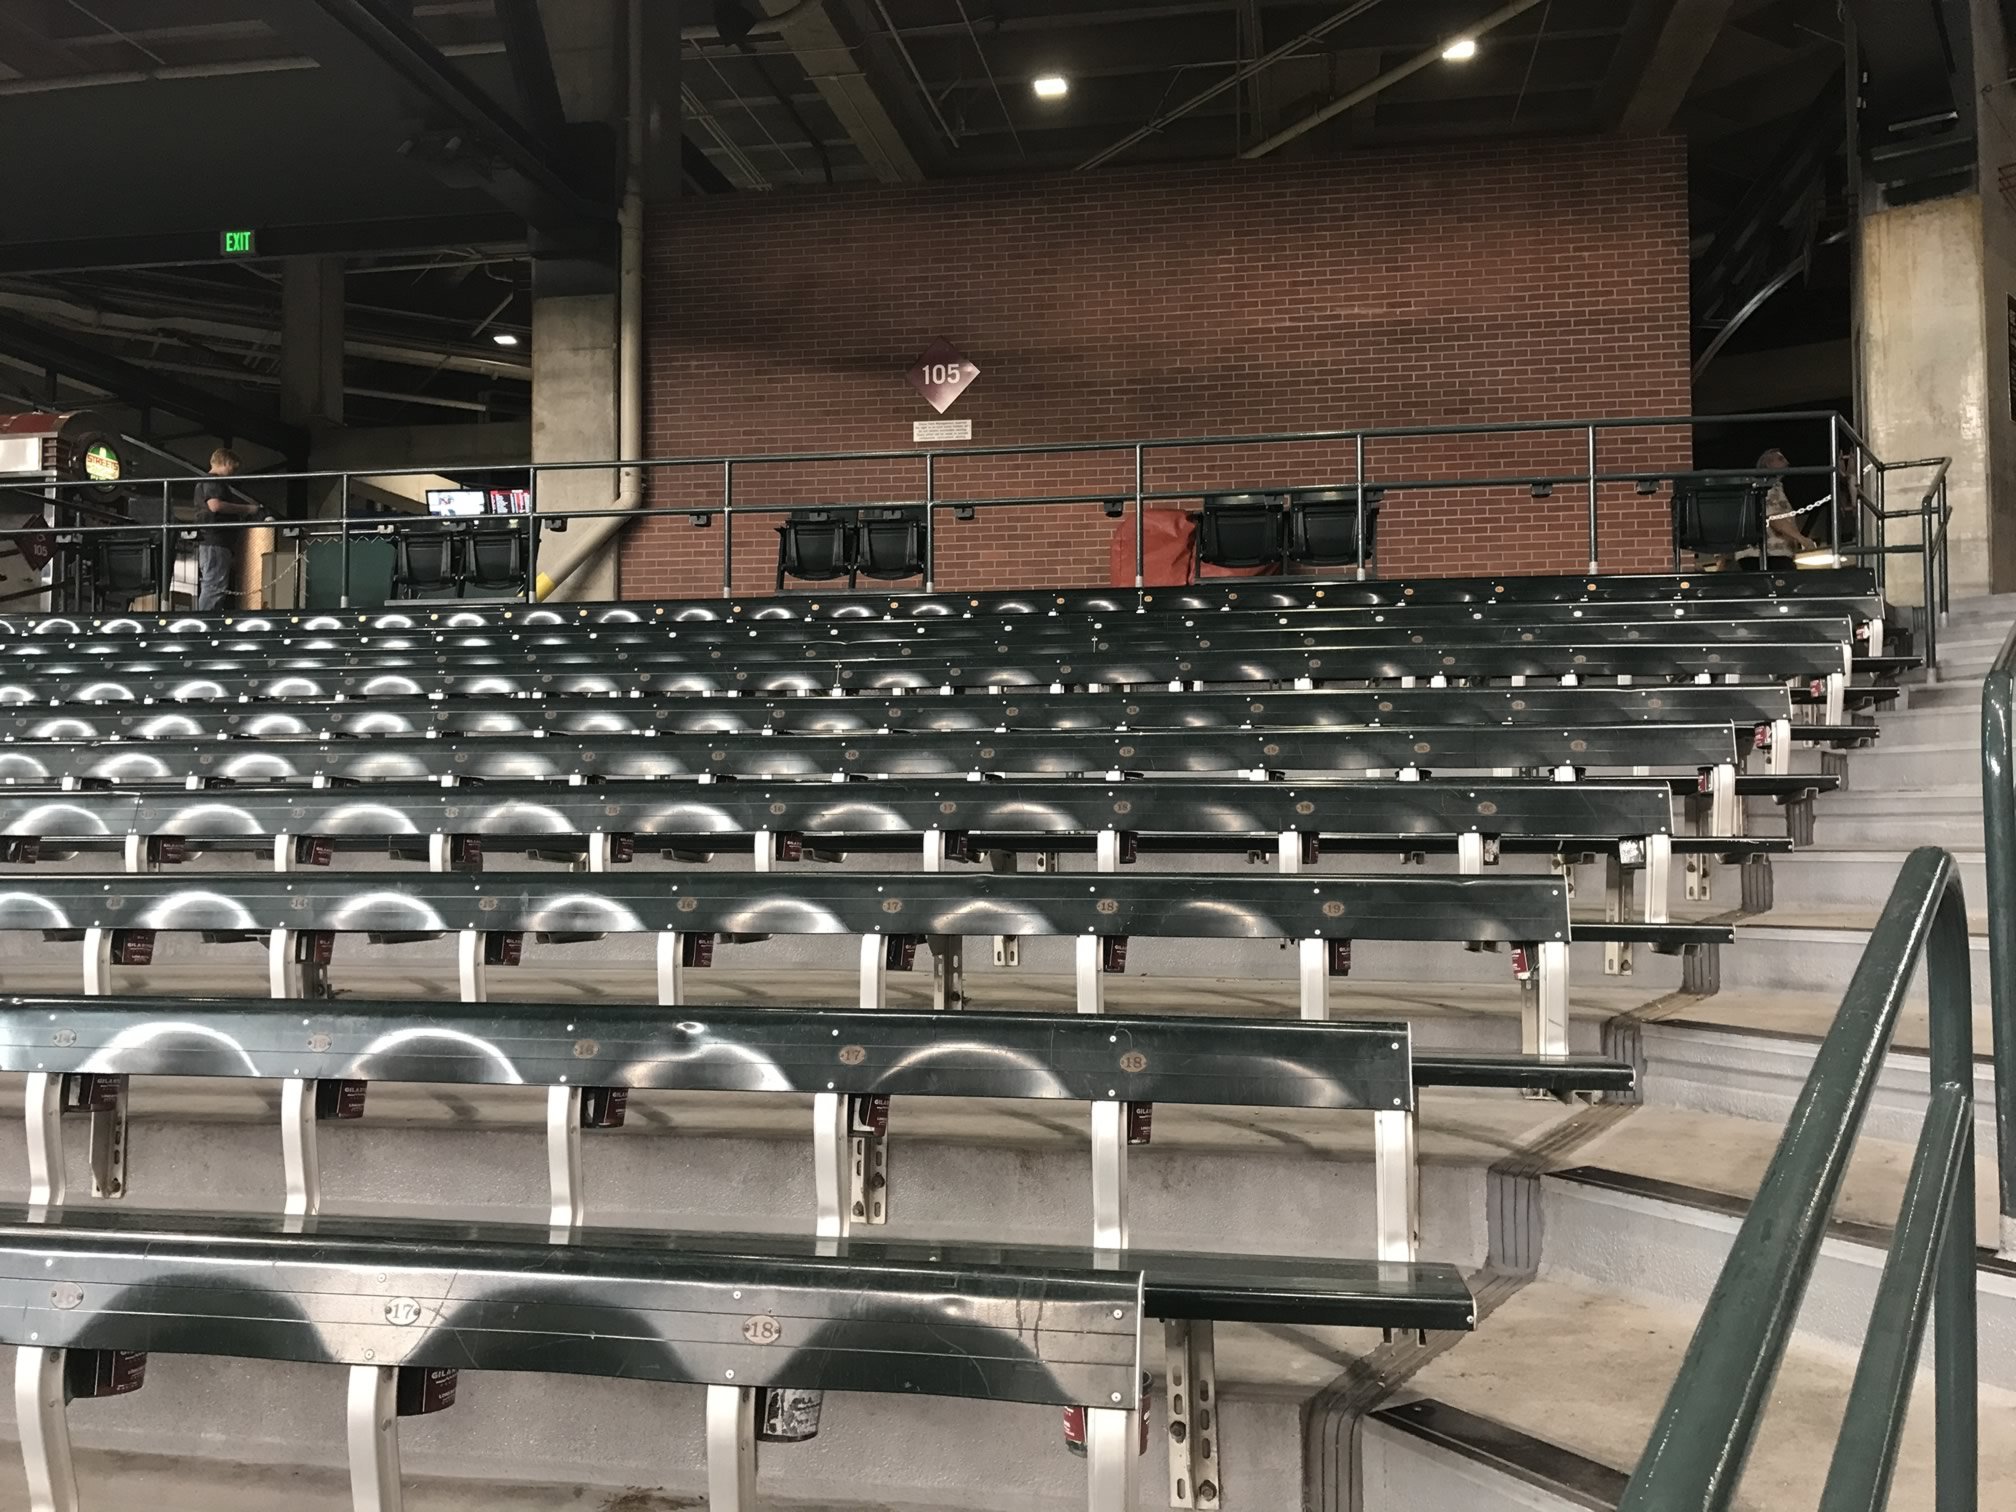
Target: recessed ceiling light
504	338
1462	50
1051	87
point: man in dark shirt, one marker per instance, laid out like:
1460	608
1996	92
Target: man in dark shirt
215	553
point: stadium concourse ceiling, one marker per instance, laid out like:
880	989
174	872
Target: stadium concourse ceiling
434	144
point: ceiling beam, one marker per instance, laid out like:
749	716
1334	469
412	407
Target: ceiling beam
531	59
349	238
523	172
829	61
1678	50
135	385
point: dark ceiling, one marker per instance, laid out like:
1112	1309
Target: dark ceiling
424	141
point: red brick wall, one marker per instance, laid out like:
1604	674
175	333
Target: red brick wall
1432	286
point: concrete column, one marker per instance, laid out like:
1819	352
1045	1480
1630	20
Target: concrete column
311	340
574	418
1925	377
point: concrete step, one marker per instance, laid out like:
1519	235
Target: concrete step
1748	1054
1952	690
1893	763
1582	1373
1815	951
1827	877
1667	1242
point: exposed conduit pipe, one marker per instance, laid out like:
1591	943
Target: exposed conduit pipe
570	553
1387	80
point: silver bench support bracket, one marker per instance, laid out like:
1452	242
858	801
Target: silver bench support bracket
1007	948
108	1124
1312	957
373	1435
469	966
568	1201
1397	1195
671	969
867	1149
948	952
44	1426
731	1448
42	1101
1778	760
1658	878
1545	1027
1617	888
298	1156
1112	1440
1192	1365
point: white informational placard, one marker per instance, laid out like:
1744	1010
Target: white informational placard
941	430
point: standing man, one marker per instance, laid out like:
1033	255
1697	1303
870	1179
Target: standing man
216	557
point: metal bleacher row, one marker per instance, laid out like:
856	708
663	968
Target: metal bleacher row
905	772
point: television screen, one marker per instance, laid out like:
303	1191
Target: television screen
455	501
510	501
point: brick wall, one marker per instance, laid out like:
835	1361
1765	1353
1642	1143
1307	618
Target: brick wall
1431	286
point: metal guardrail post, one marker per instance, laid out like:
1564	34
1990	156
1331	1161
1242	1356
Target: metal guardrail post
166	571
1694	1459
1998	818
343	531
1592	500
1929	571
728	529
1865	1458
930	510
1358	449
1140	518
1834	485
532	534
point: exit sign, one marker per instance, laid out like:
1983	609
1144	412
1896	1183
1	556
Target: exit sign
239	243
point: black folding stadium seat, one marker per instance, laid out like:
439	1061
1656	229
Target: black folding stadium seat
1323	526
1239	530
816	546
1719	516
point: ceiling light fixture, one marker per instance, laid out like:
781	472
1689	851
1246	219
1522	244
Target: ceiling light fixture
504	338
1051	87
1462	50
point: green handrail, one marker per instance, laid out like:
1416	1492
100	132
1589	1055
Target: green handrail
1695	1457
1998	821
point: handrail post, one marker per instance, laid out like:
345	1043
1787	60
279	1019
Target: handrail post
343	552
1140	518
1882	534
1834	485
930	509
1945	553
1358	451
1928	617
728	528
1592	500
532	534
1998	817
1955	1379
167	568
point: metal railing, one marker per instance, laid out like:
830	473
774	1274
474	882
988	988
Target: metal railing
1362	454
1694	1460
1998	824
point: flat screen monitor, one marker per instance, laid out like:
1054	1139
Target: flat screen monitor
510	501
455	501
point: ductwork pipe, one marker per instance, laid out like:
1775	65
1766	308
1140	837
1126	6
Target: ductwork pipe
568	554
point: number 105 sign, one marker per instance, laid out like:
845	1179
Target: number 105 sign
942	374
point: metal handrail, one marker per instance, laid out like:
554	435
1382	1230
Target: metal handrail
1586	479
1998	823
1698	1448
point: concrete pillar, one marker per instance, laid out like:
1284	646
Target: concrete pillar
1925	377
311	340
574	418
